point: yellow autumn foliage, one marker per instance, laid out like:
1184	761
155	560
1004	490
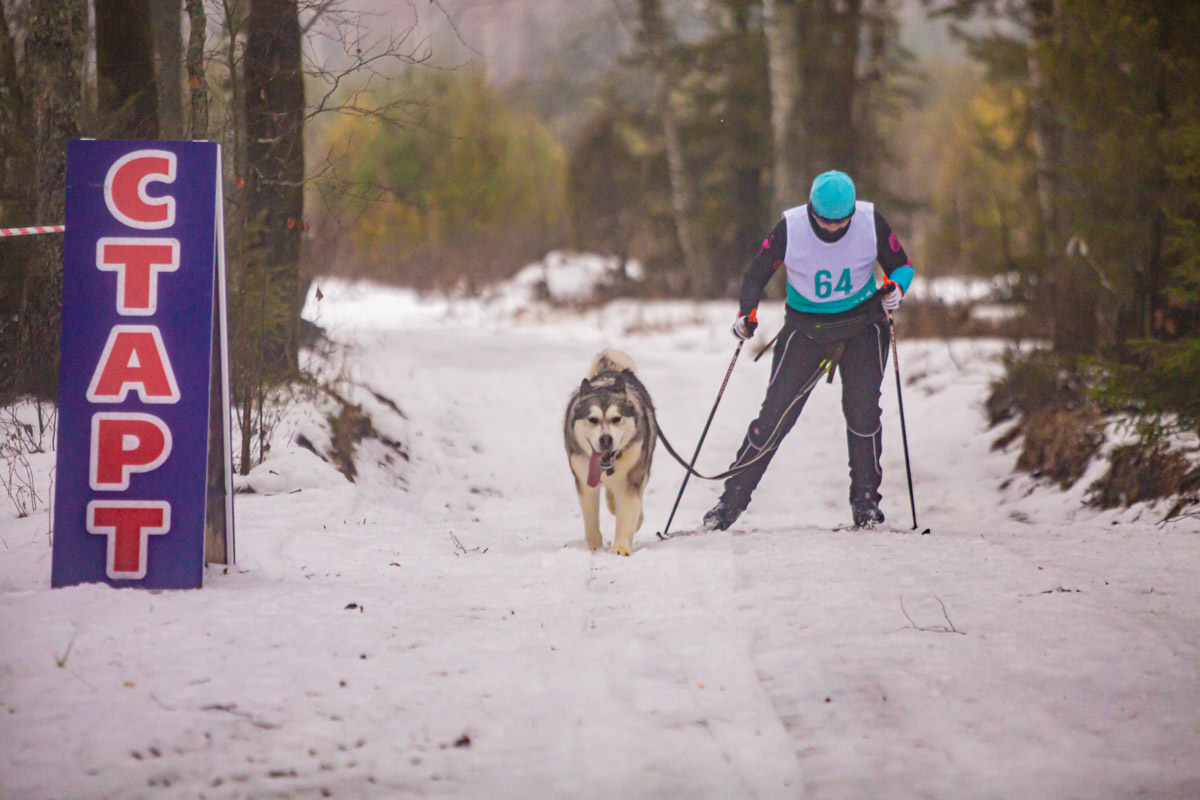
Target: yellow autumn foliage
450	185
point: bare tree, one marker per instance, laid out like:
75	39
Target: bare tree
248	91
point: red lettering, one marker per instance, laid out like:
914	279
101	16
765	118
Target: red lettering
124	443
137	263
128	525
134	358
125	189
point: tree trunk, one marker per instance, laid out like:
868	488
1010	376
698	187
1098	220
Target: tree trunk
16	199
844	141
125	69
16	203
15	114
745	78
1074	303
54	52
683	201
1154	281
197	85
168	49
275	167
652	32
781	23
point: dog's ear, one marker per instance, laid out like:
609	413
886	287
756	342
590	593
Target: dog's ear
619	384
585	386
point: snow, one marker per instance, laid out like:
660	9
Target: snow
439	629
561	279
958	289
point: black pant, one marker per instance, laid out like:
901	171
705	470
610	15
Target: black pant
805	340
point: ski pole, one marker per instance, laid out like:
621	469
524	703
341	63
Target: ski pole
766	349
665	531
903	430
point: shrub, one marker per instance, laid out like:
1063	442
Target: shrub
1035	381
447	185
1062	427
1159	386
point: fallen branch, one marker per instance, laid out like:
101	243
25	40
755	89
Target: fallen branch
61	661
947	628
231	708
463	550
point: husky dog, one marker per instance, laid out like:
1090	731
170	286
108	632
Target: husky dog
610	432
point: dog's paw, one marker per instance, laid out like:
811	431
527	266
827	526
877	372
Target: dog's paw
620	550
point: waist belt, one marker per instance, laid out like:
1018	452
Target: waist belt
833	328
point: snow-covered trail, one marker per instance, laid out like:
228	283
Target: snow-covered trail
640	672
488	654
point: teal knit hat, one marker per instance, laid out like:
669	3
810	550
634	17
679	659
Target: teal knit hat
832	195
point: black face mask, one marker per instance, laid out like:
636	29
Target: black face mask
822	234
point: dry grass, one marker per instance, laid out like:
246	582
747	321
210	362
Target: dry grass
1138	474
1060	443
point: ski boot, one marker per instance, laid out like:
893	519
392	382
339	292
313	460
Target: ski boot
866	512
724	513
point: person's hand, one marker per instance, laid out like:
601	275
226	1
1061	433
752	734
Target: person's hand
744	327
892	295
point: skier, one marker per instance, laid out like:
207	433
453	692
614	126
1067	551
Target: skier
829	248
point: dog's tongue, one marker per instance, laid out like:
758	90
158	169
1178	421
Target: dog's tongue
594	470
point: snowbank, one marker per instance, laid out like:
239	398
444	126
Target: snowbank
561	278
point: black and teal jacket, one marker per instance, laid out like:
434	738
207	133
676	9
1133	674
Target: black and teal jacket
827	273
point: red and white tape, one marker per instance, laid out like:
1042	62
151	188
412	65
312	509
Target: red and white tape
30	231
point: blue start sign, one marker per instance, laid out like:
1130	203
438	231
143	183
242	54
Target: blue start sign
143	293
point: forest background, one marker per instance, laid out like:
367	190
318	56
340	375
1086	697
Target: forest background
443	145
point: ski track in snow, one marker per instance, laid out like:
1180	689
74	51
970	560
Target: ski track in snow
456	639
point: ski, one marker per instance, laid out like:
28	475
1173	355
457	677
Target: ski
694	532
876	529
842	528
